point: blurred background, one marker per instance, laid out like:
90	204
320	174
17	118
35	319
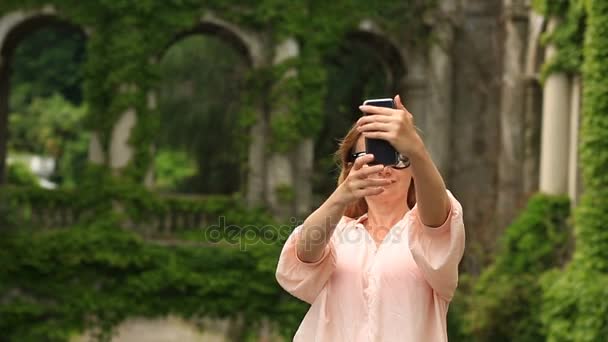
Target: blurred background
155	155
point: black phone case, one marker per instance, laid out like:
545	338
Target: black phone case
384	153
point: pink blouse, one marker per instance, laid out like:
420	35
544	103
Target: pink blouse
399	291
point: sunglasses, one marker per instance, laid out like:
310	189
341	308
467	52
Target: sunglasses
403	162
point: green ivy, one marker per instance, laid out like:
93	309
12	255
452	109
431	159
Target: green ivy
505	302
575	306
567	36
550	7
56	284
126	36
137	204
95	274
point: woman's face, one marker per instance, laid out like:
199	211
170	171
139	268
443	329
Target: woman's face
400	179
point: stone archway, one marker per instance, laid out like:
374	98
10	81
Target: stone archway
388	54
365	64
247	45
14	27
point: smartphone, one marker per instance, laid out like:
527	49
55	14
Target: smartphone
384	153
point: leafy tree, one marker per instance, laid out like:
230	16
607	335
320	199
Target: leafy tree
171	167
52	127
20	174
48	61
45	103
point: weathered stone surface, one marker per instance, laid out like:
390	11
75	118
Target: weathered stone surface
512	115
475	126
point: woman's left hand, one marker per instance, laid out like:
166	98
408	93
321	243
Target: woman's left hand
393	125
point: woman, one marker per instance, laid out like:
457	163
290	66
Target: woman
378	260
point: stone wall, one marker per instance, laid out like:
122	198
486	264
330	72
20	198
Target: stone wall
174	329
472	173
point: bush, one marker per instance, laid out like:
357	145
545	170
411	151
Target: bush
506	300
575	304
20	174
57	283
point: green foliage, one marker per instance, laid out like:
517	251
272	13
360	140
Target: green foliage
45	125
285	193
59	283
46	61
459	306
575	306
52	127
170	168
200	112
127	36
96	274
506	300
20	174
567	37
551	7
138	205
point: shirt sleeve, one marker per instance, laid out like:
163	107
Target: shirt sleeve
304	280
438	251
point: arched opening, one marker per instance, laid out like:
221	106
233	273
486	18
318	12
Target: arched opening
363	66
202	142
42	136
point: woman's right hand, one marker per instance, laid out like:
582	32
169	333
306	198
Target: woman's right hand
358	183
318	226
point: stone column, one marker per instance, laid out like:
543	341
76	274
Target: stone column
303	161
4	97
438	115
256	173
415	99
415	93
474	144
150	177
280	190
96	152
574	176
121	152
533	102
512	109
555	134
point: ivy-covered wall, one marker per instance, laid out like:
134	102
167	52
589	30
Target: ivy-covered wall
58	283
567	37
574	304
61	282
91	273
125	36
544	284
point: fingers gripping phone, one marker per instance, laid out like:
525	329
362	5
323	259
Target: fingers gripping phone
384	153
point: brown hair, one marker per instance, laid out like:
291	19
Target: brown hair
343	158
